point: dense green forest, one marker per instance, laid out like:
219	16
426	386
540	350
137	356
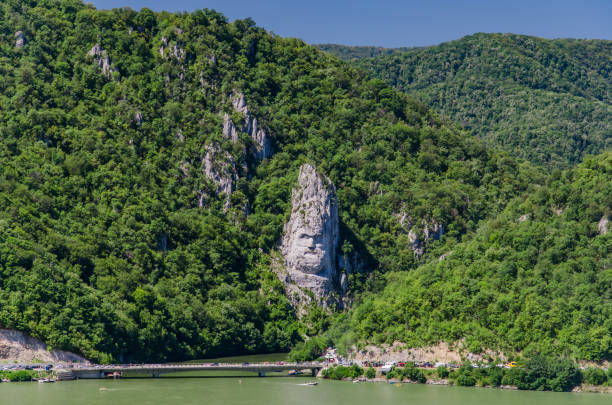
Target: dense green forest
537	279
114	243
547	101
349	53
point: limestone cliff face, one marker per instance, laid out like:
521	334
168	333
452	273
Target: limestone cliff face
262	148
19	39
220	167
101	56
602	225
430	231
310	241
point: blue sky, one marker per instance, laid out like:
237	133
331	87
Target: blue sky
404	23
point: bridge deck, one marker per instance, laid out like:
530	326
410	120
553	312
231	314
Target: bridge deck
100	370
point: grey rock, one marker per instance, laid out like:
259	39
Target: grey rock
19	39
229	129
184	166
431	230
602	225
311	236
262	147
220	167
104	62
138	118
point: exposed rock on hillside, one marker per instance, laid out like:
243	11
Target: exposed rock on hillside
431	231
220	167
602	225
19	39
104	62
174	51
16	346
311	236
229	129
262	147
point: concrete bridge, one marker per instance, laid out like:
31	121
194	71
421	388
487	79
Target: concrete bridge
102	371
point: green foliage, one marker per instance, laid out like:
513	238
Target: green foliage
309	350
442	372
341	372
594	376
410	372
113	242
535	279
465	380
348	53
547	101
20	375
370	373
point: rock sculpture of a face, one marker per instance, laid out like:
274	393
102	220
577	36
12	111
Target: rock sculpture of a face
311	236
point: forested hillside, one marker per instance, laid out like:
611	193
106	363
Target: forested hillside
348	53
548	101
537	279
136	223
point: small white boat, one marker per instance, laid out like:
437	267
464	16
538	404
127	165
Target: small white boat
310	383
46	380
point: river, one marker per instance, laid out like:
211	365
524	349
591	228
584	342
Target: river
277	389
271	391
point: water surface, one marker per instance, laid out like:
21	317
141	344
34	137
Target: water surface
214	390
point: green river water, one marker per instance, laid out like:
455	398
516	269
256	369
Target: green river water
272	391
276	389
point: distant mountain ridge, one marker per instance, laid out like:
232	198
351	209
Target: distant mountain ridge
547	101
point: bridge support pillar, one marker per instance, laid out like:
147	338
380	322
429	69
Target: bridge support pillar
314	372
261	373
156	374
101	374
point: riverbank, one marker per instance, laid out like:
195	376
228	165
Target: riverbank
584	388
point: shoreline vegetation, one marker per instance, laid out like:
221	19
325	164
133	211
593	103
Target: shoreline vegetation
536	374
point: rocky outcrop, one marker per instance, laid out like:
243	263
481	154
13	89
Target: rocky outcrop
229	129
101	56
602	225
220	167
16	346
19	39
174	51
310	240
420	237
262	147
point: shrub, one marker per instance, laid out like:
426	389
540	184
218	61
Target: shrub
594	376
466	380
20	375
370	373
413	373
309	350
442	372
341	372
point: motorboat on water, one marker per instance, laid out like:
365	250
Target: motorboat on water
310	383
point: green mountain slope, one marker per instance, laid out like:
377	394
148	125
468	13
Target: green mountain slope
536	279
348	53
548	101
114	242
